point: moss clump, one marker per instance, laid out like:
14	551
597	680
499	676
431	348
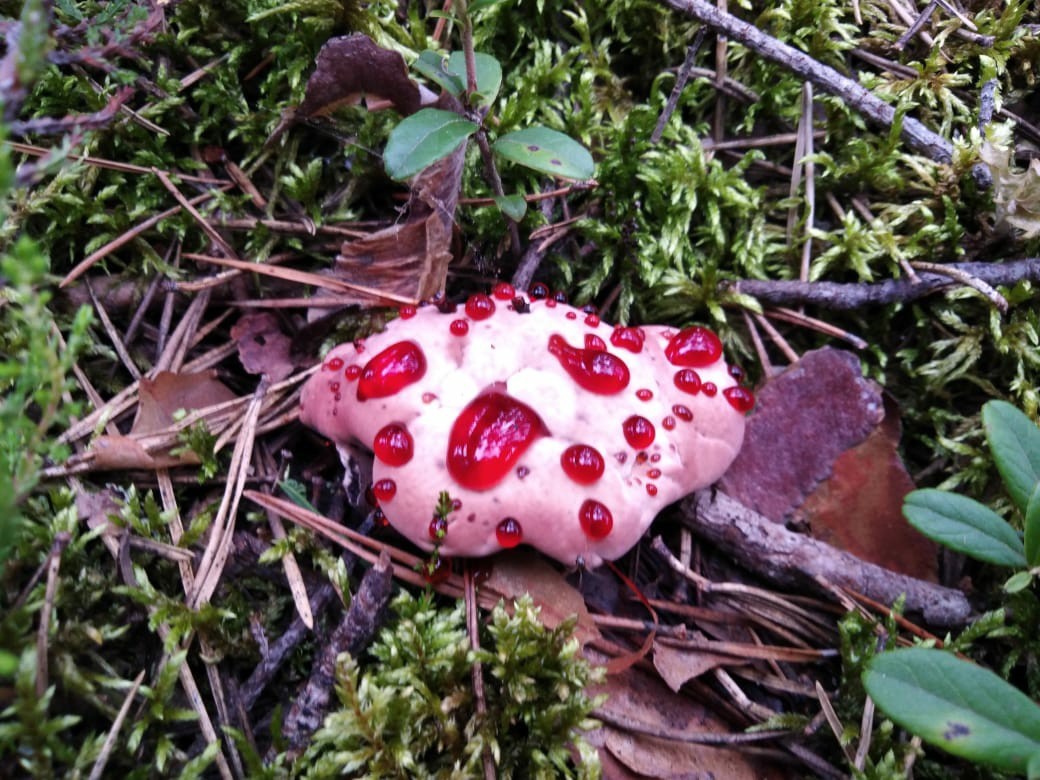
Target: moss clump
414	714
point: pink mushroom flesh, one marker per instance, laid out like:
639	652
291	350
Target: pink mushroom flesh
544	429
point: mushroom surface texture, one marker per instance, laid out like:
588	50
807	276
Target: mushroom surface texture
546	426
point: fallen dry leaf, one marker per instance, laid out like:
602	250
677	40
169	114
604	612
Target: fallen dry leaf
524	571
352	66
262	346
804	419
859	508
637	699
678	666
159	400
822	450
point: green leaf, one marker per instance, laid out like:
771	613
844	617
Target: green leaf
547	151
964	525
449	72
478	5
958	706
1018	581
1033	767
1015	443
422	139
513	206
1032	528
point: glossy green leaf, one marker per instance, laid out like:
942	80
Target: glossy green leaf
1018	581
513	206
449	72
547	151
964	525
957	706
422	139
1014	441
1032	528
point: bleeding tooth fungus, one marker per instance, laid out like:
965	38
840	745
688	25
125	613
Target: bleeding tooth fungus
515	408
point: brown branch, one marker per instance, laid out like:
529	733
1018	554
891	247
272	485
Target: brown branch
914	133
788	559
850	296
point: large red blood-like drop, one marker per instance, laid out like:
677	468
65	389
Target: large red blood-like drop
393	445
740	398
393	369
582	463
695	347
594	370
627	338
489	437
596	520
639	432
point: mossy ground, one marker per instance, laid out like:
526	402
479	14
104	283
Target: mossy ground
667	223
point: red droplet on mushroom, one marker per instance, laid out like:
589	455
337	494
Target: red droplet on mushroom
352	372
639	432
384	490
438	528
668	423
621	457
597	372
572	315
643	394
595	343
334	387
456	504
359	346
509	533
709	389
479	306
504	291
596	520
654	473
627	338
641	458
406	312
538	291
592	321
393	445
695	347
393	369
582	463
550	303
333	365
428	398
655	458
489	437
651	490
688	380
459	327
682	412
740	398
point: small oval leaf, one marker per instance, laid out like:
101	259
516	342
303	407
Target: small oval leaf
547	151
958	706
449	72
422	139
1019	581
1014	441
513	206
964	525
1032	528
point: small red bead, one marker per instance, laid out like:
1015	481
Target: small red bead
740	398
393	445
644	395
504	291
509	533
384	490
639	432
333	365
682	412
406	312
687	380
596	520
592	321
479	307
459	327
709	389
595	343
668	423
651	490
572	315
352	372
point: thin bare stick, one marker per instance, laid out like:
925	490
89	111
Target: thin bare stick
477	671
202	222
805	321
113	335
98	770
806	162
680	84
994	297
918	23
61	541
915	134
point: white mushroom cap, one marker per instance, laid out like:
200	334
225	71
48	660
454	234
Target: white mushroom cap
508	411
